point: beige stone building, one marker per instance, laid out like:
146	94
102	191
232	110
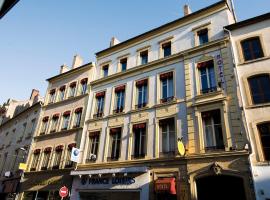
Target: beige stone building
59	129
18	121
171	85
250	41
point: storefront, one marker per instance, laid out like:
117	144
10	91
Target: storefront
44	185
111	184
9	188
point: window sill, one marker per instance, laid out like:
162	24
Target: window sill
255	60
109	159
66	100
261	105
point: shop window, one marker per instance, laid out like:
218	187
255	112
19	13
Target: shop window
65	122
35	159
54	123
119	99
165	189
83	86
115	144
212	130
93	146
57	157
167	136
44	125
167	87
61	94
105	70
252	48
72	89
142	96
144	57
207	76
123	64
259	87
264	131
77	117
51	96
46	158
203	36
139	143
100	98
69	163
166	49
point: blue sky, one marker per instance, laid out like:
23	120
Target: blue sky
37	37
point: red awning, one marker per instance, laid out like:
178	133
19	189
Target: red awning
66	113
78	110
48	149
52	91
166	185
55	116
100	94
208	63
139	126
166	75
120	88
141	82
73	84
36	151
70	146
93	134
84	80
45	119
62	88
115	130
59	148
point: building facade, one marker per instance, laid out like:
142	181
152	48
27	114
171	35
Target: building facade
168	86
250	45
18	123
59	130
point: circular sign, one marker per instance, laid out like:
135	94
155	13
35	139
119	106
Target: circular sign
63	192
76	152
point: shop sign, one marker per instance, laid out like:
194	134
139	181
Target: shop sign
220	71
75	154
106	181
22	166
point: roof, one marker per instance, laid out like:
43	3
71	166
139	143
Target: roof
70	71
6	6
161	27
250	21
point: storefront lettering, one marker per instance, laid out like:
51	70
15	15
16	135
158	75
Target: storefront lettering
220	71
106	181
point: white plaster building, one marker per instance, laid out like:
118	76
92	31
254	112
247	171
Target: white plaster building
250	41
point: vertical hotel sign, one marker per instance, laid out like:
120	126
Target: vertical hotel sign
220	71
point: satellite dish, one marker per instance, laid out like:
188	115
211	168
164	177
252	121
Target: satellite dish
181	147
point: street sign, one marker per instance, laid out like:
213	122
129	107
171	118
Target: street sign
22	166
75	154
63	192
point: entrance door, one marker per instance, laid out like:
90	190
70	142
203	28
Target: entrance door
220	187
106	195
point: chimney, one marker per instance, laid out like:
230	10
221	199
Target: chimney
114	41
77	61
34	94
187	10
64	68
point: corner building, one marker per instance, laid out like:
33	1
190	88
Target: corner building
59	129
173	82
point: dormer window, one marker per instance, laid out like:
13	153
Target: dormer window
203	36
52	96
123	64
166	49
144	57
105	70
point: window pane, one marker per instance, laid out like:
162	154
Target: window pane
204	83
252	48
164	89
170	87
259	86
264	130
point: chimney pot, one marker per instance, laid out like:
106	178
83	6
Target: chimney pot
63	69
77	61
34	94
114	41
187	10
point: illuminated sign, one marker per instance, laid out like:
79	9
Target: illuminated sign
105	181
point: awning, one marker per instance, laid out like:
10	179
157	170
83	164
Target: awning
110	171
165	185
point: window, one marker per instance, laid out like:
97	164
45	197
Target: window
72	89
166	49
66	118
139	131
259	87
51	96
33	122
57	157
54	123
105	70
207	76
35	160
115	143
84	86
123	64
69	163
77	118
24	129
61	94
93	145
167	89
264	131
44	125
203	36
100	97
167	136
144	57
46	158
142	95
119	99
212	130
252	48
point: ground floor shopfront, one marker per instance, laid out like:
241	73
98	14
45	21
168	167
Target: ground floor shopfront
44	185
9	188
220	176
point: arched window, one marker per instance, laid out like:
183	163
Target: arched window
259	88
264	132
